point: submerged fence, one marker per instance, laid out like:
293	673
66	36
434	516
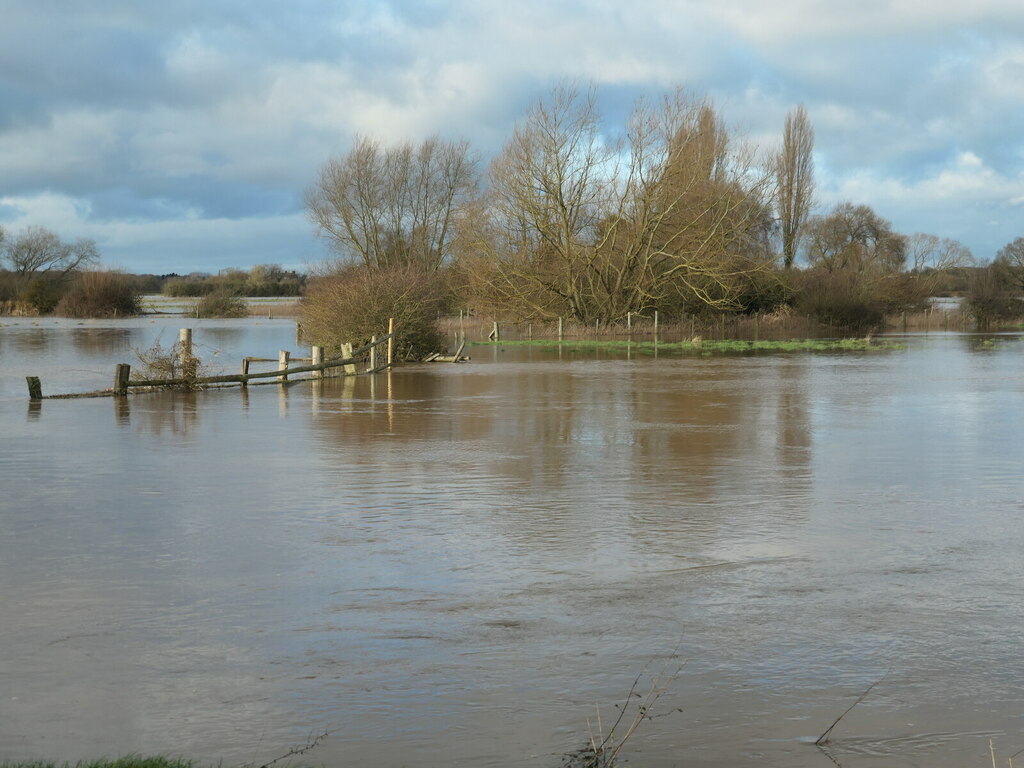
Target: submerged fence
375	358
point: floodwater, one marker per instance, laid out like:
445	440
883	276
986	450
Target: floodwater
471	564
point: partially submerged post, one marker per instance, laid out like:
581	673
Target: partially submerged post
245	371
121	375
346	354
316	355
391	341
373	353
559	329
186	361
283	357
35	388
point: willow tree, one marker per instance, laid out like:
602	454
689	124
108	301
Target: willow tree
393	206
580	224
794	176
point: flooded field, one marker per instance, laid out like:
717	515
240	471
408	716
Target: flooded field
465	564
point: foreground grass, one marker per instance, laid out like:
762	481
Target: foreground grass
713	346
128	761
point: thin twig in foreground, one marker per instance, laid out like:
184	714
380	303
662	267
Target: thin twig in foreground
823	739
298	750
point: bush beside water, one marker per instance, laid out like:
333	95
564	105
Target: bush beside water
100	294
220	305
355	302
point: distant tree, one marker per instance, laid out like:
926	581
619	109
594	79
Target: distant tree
794	177
1009	263
38	249
854	238
393	206
929	262
930	253
987	301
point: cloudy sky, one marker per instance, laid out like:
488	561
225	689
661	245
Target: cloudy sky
182	135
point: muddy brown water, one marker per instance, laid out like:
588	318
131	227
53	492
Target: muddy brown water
466	564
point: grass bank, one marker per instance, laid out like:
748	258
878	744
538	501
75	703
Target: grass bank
710	346
128	761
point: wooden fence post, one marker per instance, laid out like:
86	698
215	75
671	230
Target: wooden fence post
391	341
559	329
346	353
35	389
245	371
121	375
282	363
317	358
655	324
494	335
186	360
373	353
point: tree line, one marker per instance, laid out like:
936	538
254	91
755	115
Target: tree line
672	212
40	273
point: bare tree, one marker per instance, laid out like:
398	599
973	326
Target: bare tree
38	249
930	253
794	175
929	260
393	206
854	238
582	224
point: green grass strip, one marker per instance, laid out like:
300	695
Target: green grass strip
128	761
710	346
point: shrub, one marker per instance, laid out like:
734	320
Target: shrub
220	305
100	294
43	293
355	302
838	299
987	300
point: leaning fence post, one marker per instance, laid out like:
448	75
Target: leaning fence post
316	355
121	375
35	388
282	363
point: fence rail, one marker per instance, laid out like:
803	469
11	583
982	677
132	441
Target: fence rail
123	381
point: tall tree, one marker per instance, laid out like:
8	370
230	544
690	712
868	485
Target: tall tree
586	225
391	206
794	175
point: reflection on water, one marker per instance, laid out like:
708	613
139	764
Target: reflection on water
451	564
